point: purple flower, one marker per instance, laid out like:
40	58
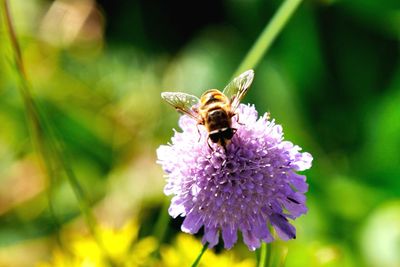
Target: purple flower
252	185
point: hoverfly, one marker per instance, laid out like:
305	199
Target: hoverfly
214	109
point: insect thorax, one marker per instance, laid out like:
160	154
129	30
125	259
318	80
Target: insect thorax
213	96
217	119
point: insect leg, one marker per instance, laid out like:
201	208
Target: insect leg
198	130
208	143
237	118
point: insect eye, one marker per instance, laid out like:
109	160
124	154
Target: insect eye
214	137
228	133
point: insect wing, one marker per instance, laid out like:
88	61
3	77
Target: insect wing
238	88
182	103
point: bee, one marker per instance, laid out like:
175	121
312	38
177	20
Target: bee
215	109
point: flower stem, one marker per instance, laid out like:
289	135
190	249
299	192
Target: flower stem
197	261
268	35
268	261
161	226
265	255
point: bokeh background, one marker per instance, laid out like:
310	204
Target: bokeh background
97	68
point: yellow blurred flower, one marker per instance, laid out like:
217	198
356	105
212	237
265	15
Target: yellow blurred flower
120	247
186	249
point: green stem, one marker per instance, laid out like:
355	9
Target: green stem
268	35
250	61
161	226
265	255
268	260
50	152
197	261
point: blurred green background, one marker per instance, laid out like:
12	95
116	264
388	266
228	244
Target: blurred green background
97	68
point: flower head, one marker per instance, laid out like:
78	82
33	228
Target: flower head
247	188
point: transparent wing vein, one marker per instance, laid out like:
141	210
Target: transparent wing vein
238	87
182	102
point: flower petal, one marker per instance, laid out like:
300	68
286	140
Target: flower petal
299	182
284	229
211	236
177	208
192	223
229	235
250	240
